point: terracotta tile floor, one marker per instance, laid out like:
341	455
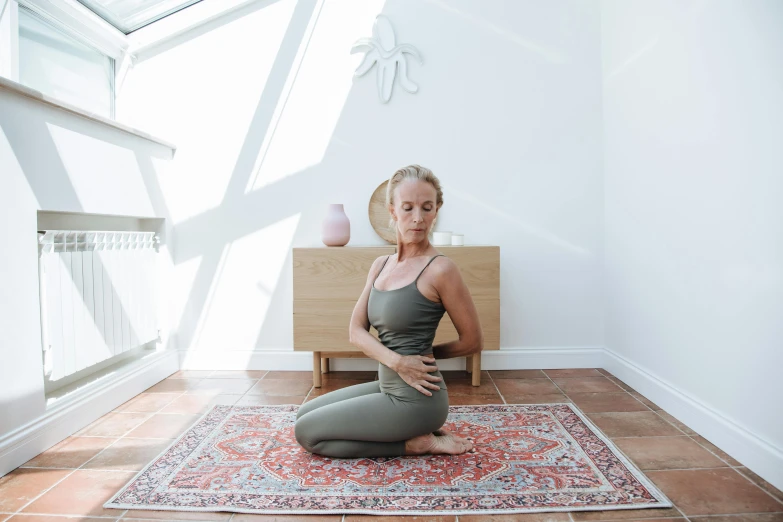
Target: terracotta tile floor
74	478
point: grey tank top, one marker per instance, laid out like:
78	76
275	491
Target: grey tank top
406	321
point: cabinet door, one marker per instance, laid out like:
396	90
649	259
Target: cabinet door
327	283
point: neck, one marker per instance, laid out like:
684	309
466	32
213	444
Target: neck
409	250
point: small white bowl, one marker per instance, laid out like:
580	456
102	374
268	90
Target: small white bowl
441	238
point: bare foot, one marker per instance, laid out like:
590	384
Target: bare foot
441	442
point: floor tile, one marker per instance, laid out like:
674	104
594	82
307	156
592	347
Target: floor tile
128	455
633	424
522	517
301	376
399	518
464	387
586	385
199	403
713	491
622	384
517	374
607	402
644	400
267	386
335	384
70	453
259	400
147	402
174	515
681	452
286	518
731	461
114	424
465	400
573	372
191	374
548	398
763	484
173	386
660	514
222	386
22	485
368	375
676	423
57	518
82	493
240	374
757	517
462	375
526	387
164	426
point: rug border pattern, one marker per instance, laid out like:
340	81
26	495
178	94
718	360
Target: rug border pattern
222	411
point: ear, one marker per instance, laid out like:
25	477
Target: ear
393	214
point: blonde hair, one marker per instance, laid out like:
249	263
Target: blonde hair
416	172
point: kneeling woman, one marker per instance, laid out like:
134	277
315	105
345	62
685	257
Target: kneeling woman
404	299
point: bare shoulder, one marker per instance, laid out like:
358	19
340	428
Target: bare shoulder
376	266
445	270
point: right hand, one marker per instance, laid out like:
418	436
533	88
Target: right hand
414	369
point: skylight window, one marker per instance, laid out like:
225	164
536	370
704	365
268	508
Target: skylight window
129	15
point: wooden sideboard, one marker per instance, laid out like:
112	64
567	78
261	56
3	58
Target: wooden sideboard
329	280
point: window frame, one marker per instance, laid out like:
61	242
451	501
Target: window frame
62	28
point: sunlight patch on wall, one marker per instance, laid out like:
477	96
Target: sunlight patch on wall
316	91
243	288
202	95
105	176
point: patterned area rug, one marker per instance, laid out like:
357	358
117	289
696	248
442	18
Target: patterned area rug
527	459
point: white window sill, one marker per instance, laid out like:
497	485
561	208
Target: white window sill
18	88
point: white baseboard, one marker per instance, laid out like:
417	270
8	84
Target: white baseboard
758	455
84	406
504	359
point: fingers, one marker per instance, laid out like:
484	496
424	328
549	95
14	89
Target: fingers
432	378
422	390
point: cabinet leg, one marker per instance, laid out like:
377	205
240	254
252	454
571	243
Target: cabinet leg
476	369
317	369
324	365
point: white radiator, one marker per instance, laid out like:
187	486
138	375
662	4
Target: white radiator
97	296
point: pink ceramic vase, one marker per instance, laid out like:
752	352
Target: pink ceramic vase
336	229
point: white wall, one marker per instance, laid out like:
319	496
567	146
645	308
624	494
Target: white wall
52	160
693	112
270	128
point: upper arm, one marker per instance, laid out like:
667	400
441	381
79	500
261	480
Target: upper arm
359	315
456	298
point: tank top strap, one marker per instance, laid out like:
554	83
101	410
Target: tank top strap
425	267
381	270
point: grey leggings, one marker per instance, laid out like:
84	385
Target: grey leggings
372	419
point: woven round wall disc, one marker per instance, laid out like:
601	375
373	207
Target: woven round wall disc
379	214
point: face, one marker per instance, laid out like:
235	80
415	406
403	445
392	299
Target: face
414	209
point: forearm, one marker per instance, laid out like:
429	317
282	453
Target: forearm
372	347
459	348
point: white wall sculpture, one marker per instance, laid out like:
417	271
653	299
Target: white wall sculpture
382	49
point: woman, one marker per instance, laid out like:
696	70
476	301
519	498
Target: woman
405	297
